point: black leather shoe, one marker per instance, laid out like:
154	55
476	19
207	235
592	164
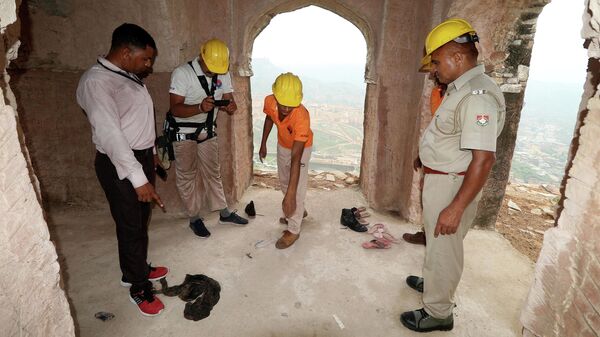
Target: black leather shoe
420	321
415	282
348	219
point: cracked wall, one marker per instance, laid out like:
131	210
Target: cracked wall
34	303
564	299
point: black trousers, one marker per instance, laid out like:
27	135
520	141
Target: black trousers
131	217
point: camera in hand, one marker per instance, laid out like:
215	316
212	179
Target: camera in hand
222	102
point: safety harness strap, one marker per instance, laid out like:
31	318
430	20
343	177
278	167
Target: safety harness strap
209	124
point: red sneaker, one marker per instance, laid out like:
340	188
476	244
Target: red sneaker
156	273
147	303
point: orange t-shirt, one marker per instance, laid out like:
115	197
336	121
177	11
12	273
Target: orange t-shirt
294	127
436	98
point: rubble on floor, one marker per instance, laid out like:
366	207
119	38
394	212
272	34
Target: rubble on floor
527	211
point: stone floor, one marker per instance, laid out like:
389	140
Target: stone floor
294	292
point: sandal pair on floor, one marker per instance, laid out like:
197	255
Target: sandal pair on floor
377	244
383	238
360	213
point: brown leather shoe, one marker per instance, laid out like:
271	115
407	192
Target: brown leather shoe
418	238
287	239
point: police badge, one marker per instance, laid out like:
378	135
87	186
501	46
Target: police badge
483	120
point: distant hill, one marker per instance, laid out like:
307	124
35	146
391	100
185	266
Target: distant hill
331	84
552	101
552	104
545	130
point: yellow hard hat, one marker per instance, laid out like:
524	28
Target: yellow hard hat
215	55
425	64
287	89
449	30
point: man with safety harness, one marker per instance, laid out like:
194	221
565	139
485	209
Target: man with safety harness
199	89
457	151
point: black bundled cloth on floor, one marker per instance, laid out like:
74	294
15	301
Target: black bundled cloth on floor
199	291
250	210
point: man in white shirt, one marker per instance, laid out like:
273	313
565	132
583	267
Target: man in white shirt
121	113
199	89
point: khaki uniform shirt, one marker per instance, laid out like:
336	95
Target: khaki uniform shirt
470	117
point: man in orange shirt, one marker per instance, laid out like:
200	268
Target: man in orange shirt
294	146
437	95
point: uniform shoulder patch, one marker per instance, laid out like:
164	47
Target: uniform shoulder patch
483	120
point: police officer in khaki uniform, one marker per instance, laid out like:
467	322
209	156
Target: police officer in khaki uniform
457	152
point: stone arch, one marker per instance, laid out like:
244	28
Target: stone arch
261	21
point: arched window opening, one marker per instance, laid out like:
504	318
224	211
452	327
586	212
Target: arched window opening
329	55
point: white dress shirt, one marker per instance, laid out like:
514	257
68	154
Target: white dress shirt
121	113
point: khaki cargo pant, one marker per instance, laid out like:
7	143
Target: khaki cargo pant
284	160
443	255
199	176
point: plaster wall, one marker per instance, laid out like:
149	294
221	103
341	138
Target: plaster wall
61	40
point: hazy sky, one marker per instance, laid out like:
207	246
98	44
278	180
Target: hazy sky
558	54
313	35
310	36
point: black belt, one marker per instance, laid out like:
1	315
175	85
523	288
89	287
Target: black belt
143	152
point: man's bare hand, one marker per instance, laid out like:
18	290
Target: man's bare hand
448	220
262	153
230	108
417	164
207	104
289	205
146	193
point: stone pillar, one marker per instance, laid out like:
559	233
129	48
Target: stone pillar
512	76
391	109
